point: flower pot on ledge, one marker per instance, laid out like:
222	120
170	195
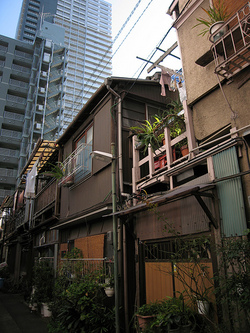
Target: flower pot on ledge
68	181
216	26
184	150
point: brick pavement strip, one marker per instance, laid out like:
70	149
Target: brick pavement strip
16	317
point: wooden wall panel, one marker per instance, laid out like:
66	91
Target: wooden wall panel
91	247
183	271
158	281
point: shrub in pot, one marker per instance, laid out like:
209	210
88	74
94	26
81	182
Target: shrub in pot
218	13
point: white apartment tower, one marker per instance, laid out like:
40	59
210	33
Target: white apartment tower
88	38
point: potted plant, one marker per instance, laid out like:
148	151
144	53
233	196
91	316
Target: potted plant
109	286
55	171
148	134
59	172
217	14
147	313
42	285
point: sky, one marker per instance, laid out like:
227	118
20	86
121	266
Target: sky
142	34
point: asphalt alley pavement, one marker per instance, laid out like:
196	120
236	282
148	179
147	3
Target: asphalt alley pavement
16	316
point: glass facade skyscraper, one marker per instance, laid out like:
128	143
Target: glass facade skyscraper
87	25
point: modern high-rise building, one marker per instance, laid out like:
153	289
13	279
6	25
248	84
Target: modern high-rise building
32	80
88	39
61	56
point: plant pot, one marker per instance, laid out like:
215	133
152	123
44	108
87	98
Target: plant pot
45	310
109	291
157	164
68	181
203	307
144	321
33	307
184	150
216	26
162	161
174	154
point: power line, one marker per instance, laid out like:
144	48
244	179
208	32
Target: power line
114	52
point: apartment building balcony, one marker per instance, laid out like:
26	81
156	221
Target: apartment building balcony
9	136
22	71
13	119
148	167
76	165
45	203
19	85
15	102
8	176
2	63
9	156
232	50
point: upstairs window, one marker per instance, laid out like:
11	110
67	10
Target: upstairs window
83	158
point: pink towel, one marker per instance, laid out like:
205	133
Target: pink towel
165	79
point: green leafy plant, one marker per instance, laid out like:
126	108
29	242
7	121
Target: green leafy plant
151	132
57	170
147	134
43	281
149	309
169	313
219	12
80	306
233	281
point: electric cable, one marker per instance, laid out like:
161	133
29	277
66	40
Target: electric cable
75	105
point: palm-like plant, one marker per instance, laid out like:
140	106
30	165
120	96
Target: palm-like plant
147	134
219	12
57	170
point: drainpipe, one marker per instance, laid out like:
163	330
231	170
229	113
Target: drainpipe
120	168
121	248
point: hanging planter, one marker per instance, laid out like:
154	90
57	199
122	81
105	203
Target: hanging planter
109	286
202	306
109	291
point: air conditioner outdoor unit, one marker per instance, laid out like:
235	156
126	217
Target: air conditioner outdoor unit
40	107
44	74
42	90
48	43
38	126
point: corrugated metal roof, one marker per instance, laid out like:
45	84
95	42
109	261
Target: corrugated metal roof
43	150
230	193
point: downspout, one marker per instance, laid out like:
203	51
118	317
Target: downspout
121	247
119	134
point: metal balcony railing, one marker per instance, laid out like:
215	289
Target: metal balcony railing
13	115
78	160
18	83
81	266
11	134
232	50
9	152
